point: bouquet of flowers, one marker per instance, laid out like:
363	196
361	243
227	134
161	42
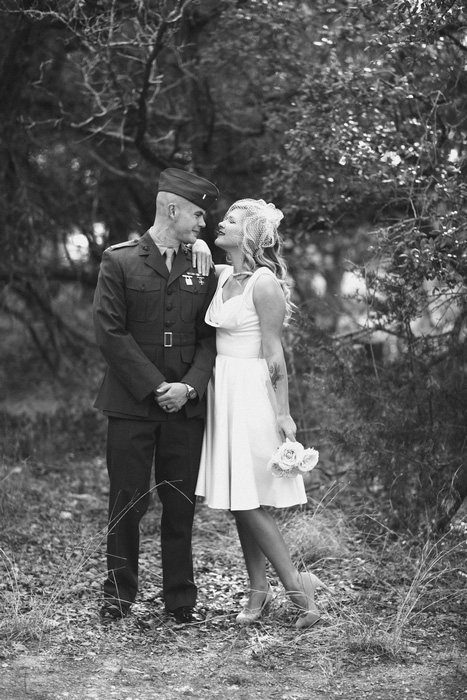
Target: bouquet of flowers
291	459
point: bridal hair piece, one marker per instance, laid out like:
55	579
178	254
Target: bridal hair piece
260	223
261	243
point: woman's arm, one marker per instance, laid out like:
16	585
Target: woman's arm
270	306
201	257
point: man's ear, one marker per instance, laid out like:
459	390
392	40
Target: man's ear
172	211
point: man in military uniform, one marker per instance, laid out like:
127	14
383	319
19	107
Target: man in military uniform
149	312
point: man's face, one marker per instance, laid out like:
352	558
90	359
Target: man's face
188	221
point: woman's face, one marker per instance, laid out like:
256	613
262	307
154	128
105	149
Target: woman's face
229	230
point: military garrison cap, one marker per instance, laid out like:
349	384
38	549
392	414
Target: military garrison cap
192	187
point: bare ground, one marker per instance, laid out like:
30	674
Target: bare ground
381	636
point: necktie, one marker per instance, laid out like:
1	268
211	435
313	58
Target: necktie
169	253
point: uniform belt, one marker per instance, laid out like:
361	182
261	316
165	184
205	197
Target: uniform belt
170	340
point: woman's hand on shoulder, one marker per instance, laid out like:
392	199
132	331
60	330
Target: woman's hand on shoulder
201	257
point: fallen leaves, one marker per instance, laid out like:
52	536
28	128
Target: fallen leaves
54	561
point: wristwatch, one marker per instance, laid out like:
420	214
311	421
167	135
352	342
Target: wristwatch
190	392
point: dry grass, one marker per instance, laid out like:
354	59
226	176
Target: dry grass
56	588
28	615
316	537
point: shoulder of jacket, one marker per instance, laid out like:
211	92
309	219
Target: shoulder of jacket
125	244
186	250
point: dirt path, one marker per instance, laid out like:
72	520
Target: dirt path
204	663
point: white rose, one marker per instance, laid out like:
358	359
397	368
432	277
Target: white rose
309	460
289	454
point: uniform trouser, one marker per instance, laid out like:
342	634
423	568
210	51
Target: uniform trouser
133	446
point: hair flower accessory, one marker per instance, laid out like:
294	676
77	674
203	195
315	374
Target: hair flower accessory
272	213
291	459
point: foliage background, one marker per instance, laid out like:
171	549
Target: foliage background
351	117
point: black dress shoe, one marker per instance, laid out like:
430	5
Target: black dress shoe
185	615
111	612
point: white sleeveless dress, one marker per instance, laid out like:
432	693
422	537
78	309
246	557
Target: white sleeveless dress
241	430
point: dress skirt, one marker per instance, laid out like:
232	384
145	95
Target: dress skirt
240	438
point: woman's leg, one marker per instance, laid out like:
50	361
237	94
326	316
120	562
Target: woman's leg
260	594
255	565
260	538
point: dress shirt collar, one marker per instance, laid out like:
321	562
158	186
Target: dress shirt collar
162	246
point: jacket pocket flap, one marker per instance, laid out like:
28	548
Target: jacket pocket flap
142	283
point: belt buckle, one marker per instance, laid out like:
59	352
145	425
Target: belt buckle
167	339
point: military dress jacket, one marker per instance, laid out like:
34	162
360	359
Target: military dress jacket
150	328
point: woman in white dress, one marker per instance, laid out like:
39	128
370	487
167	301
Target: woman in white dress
248	407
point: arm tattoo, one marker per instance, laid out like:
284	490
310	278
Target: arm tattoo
275	375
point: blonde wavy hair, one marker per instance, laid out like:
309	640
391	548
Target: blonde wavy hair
261	243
